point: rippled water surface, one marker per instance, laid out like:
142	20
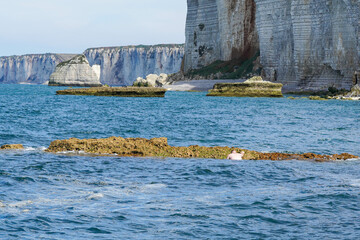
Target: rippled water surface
46	196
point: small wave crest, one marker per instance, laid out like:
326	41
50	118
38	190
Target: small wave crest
95	196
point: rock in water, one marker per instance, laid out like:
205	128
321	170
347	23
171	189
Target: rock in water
158	147
254	87
76	72
115	91
12	147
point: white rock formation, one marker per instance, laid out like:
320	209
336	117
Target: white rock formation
32	68
219	30
75	72
122	65
152	80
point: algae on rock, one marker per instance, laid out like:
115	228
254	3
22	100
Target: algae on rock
12	147
253	87
158	147
115	91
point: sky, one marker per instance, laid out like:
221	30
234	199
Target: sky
71	26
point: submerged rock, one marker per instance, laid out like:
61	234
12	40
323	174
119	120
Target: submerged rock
152	80
116	91
254	87
76	72
12	147
158	147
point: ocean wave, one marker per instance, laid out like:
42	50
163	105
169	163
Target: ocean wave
95	196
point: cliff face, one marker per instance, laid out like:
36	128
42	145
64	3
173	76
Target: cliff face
122	65
35	68
306	45
76	72
309	45
219	30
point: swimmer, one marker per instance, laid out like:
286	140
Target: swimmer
236	156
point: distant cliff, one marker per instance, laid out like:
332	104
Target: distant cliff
122	65
309	45
32	68
219	30
306	45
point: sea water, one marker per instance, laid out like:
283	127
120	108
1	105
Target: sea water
67	196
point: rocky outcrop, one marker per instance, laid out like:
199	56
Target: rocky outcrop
158	147
33	68
254	87
12	147
309	45
123	65
115	91
76	72
152	80
219	30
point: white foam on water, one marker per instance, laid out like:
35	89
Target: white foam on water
355	182
20	204
353	160
95	196
152	187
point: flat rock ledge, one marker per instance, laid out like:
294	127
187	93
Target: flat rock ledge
115	91
12	147
254	87
158	147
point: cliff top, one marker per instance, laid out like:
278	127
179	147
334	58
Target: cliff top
65	56
139	46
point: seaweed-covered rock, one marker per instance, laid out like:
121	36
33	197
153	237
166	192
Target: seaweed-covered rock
158	147
253	87
116	91
12	147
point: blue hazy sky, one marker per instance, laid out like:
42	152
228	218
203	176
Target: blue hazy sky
71	26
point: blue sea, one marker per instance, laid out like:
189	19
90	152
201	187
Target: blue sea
67	196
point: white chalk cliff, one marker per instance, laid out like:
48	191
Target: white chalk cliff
32	68
75	72
219	30
306	45
309	45
123	65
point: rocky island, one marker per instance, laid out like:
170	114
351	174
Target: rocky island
115	91
158	147
254	87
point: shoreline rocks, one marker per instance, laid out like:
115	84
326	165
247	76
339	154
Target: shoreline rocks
158	147
254	87
115	91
